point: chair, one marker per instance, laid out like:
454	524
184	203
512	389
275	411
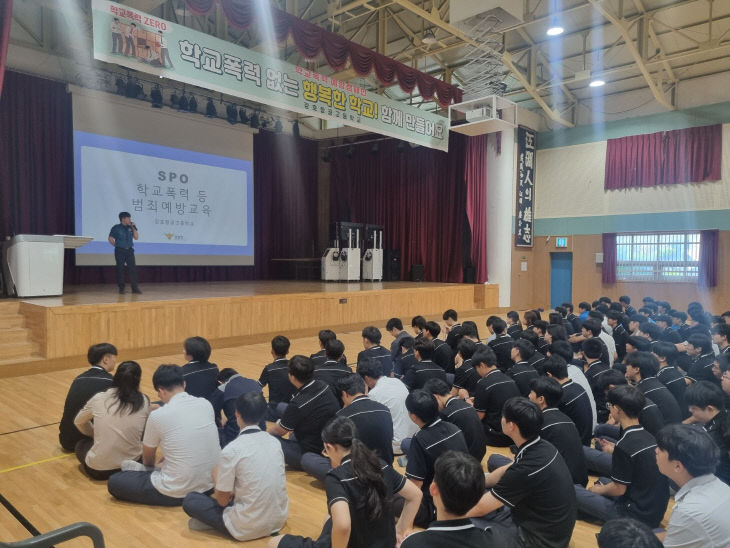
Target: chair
47	540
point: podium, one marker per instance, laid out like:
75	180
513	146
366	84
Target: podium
35	263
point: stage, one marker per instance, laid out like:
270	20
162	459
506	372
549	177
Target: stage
51	333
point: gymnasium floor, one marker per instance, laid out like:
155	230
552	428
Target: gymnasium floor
46	486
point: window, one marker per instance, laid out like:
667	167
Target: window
664	256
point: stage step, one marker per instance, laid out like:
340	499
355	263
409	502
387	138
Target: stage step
16	343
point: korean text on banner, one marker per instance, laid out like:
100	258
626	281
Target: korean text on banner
525	187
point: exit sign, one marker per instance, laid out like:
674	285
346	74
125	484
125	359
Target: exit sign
561	242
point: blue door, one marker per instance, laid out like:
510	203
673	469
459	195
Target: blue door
561	278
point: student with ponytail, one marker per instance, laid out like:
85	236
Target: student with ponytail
359	491
114	420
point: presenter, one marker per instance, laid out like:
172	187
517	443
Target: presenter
121	236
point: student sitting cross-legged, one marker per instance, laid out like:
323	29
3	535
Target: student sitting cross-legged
359	488
250	499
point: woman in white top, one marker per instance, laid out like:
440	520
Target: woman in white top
115	419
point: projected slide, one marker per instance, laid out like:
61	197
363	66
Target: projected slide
190	208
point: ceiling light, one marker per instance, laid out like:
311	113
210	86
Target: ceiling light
597	83
555	30
429	37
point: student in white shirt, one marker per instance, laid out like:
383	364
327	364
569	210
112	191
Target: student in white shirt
116	36
185	431
114	422
130	36
164	52
250	499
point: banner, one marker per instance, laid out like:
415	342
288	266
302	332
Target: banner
139	41
525	187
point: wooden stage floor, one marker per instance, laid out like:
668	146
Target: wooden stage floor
47	487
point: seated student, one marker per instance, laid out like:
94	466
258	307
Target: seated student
541	327
470	330
502	344
465	376
452	328
635	323
276	376
667	334
641	369
669	375
593	368
332	369
103	360
494	388
679	324
359	488
627	533
652	332
565	350
425	369
687	456
636	488
575	402
721	337
591	329
571	317
555	333
231	385
706	402
514	327
619	333
489	322
184	430
637	343
458	484
537	358
699	348
443	355
460	413
114	422
433	438
318	358
394	326
250	499
537	487
564	321
418	325
522	372
200	376
371	342
405	359
625	301
312	405
392	393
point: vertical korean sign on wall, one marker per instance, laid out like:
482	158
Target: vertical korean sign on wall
525	187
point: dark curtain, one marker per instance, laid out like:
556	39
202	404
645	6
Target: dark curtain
311	41
417	194
709	247
6	15
608	271
476	202
691	155
36	186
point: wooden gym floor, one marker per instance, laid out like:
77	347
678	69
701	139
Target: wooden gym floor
46	487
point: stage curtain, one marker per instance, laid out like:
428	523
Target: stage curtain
691	155
417	194
36	186
476	202
709	247
608	270
6	15
311	41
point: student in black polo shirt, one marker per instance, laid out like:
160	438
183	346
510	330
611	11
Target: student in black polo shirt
492	391
453	328
418	324
641	369
443	355
501	345
669	375
575	402
394	326
537	358
332	369
458	484
593	368
358	488
636	488
460	413
425	369
103	359
514	327
721	337
405	359
276	376
706	401
522	372
308	411
434	438
540	327
201	376
537	486
319	357
699	348
465	376
664	322
371	342
619	332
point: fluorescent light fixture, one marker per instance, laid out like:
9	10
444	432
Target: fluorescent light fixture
597	83
429	37
555	30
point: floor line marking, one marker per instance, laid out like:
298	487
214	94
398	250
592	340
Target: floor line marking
27	465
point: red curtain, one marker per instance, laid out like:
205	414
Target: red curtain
709	247
311	40
476	202
6	15
36	186
417	194
608	271
691	155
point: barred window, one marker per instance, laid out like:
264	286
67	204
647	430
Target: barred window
663	256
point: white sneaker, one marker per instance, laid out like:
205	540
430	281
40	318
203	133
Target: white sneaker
129	465
196	525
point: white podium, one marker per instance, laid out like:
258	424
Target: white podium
35	263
